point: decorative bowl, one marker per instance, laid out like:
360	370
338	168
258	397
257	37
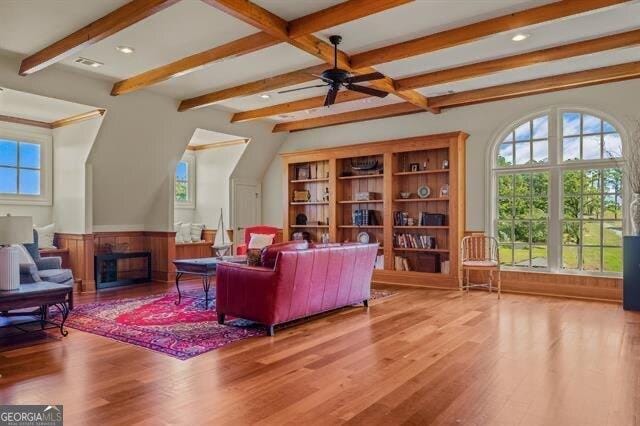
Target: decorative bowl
405	195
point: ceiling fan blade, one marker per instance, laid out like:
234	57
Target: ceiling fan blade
322	78
331	97
367	90
303	88
365	77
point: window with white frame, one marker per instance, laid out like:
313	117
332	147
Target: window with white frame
185	182
25	168
557	193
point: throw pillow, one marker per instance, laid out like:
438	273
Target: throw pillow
260	241
176	228
185	232
24	258
45	235
253	257
196	232
270	253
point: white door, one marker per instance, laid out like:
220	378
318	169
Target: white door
246	203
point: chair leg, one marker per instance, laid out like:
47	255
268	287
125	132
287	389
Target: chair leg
220	318
461	279
365	302
490	281
271	330
467	280
499	284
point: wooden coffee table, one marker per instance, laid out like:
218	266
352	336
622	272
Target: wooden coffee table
204	267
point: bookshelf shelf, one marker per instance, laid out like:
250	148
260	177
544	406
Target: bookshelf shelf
421	172
309	203
420	200
384	166
378	176
360	202
309	180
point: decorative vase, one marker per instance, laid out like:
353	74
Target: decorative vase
635	213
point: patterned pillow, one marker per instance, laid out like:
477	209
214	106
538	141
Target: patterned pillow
254	258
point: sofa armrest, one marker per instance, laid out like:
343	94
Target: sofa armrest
53	262
29	273
246	291
241	249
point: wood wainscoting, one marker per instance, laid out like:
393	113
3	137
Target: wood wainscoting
80	249
588	287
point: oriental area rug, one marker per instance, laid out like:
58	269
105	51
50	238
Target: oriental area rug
156	323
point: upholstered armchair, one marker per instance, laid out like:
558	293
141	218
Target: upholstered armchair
258	229
44	268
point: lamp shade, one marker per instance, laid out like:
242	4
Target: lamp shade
16	230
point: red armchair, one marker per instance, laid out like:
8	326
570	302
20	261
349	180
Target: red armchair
258	229
302	283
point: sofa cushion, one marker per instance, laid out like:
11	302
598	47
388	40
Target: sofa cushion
260	241
270	253
58	276
32	248
46	234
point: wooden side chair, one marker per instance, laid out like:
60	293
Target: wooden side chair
479	253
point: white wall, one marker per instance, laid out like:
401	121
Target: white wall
482	122
213	175
71	147
142	137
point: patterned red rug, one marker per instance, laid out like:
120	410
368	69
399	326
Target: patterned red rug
156	323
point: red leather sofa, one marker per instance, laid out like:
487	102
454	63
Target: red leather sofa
299	284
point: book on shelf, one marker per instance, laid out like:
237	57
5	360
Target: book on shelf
402	218
363	217
414	241
401	263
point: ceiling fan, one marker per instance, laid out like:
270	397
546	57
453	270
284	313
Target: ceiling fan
335	78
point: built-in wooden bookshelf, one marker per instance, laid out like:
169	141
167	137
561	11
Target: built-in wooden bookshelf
389	174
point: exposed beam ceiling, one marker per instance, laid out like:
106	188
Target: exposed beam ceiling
393	110
278	27
258	86
439	41
289	107
614	41
586	47
195	62
554	83
475	31
213	145
326	18
106	26
341	13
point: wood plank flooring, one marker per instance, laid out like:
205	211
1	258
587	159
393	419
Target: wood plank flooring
417	357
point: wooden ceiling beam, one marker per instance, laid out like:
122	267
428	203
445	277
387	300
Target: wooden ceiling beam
585	47
341	13
554	83
274	25
195	62
77	118
478	30
255	87
100	29
393	110
294	106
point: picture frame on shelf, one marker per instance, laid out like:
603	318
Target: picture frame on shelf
414	167
303	172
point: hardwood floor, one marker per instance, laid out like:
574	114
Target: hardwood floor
417	357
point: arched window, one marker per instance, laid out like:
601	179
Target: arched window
557	193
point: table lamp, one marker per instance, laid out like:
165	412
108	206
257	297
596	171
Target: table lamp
13	230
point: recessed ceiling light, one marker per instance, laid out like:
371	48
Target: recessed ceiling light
265	96
125	49
520	37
